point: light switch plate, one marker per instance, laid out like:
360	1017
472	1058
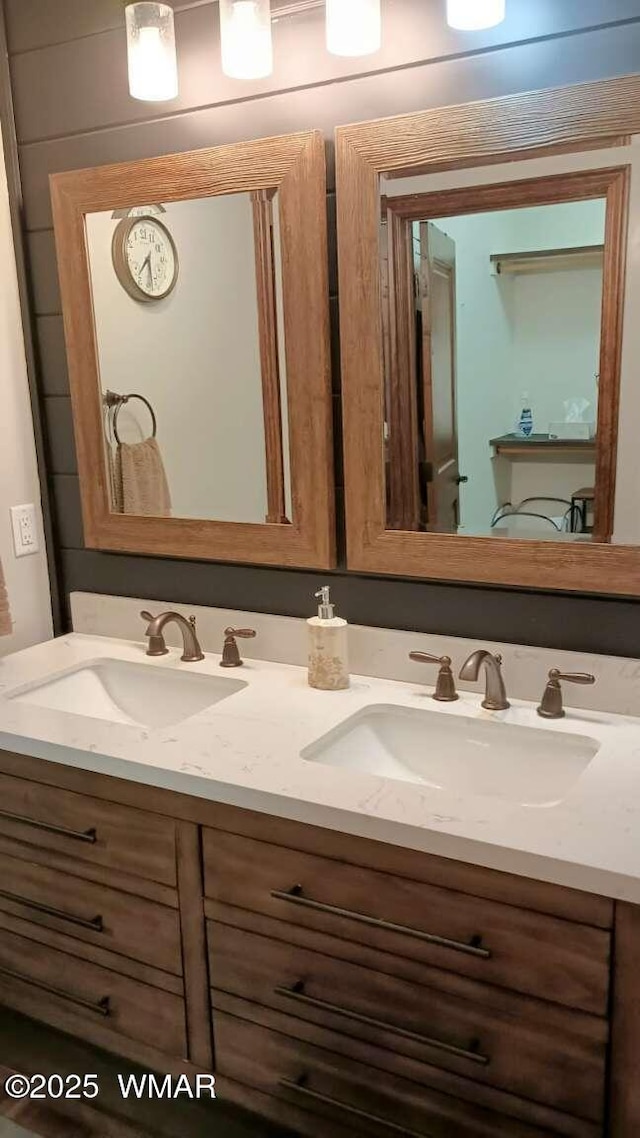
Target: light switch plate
25	532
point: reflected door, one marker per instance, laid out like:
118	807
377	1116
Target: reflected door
437	287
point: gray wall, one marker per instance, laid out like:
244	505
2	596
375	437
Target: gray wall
72	109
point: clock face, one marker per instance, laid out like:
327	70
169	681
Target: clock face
145	258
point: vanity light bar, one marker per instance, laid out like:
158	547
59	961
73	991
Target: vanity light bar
354	28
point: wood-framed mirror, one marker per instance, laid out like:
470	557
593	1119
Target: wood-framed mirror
195	302
489	276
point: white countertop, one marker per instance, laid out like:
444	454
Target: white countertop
245	751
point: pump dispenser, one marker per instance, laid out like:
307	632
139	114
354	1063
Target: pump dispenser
328	662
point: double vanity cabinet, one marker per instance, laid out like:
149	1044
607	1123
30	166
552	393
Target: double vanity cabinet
336	985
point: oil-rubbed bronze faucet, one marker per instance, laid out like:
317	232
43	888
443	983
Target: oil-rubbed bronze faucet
445	684
192	652
231	657
551	704
495	698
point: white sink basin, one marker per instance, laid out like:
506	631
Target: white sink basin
525	765
123	692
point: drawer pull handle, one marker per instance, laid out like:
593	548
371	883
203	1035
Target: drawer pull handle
93	923
298	994
300	1087
295	897
101	1008
90	836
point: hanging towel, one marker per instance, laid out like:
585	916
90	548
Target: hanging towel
140	483
6	626
115	486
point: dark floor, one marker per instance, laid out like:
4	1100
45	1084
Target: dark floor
9	1129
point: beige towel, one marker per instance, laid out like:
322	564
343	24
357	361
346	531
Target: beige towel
139	482
6	626
115	490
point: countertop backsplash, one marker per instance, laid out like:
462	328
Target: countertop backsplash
379	652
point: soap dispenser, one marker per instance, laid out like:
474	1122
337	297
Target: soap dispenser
328	663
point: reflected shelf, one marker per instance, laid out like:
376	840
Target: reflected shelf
518	446
547	260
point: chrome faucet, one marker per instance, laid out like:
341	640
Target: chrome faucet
495	698
192	652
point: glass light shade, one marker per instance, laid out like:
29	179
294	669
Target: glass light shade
473	15
245	33
354	27
151	51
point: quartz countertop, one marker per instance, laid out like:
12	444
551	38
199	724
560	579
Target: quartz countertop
246	751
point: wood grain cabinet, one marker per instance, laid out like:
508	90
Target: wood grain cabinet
92	935
446	1010
349	987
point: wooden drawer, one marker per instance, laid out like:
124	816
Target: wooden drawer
353	1096
85	999
528	1047
492	942
118	922
90	830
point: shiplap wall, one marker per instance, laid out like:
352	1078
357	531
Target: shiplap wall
72	109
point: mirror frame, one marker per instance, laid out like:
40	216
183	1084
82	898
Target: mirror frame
538	124
294	165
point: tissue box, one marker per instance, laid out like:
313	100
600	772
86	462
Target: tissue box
572	430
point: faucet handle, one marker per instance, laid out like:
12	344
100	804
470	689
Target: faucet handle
156	645
445	684
551	706
231	653
572	677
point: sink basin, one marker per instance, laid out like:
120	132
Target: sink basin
525	765
123	692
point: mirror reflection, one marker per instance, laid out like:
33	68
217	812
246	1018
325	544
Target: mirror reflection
188	310
492	330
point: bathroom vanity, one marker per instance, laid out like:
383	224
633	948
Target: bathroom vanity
375	969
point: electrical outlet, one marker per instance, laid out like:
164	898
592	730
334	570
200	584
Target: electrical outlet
25	532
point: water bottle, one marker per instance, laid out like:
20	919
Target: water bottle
525	420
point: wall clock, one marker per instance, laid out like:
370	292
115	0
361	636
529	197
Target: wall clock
145	258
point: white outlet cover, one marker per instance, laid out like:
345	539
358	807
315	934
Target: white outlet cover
25	531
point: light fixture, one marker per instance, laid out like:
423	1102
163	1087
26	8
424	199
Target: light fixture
353	27
151	51
473	15
245	33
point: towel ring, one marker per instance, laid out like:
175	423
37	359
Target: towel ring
117	402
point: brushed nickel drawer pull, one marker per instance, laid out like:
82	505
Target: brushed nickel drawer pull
298	994
295	897
300	1087
101	1008
90	836
93	923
